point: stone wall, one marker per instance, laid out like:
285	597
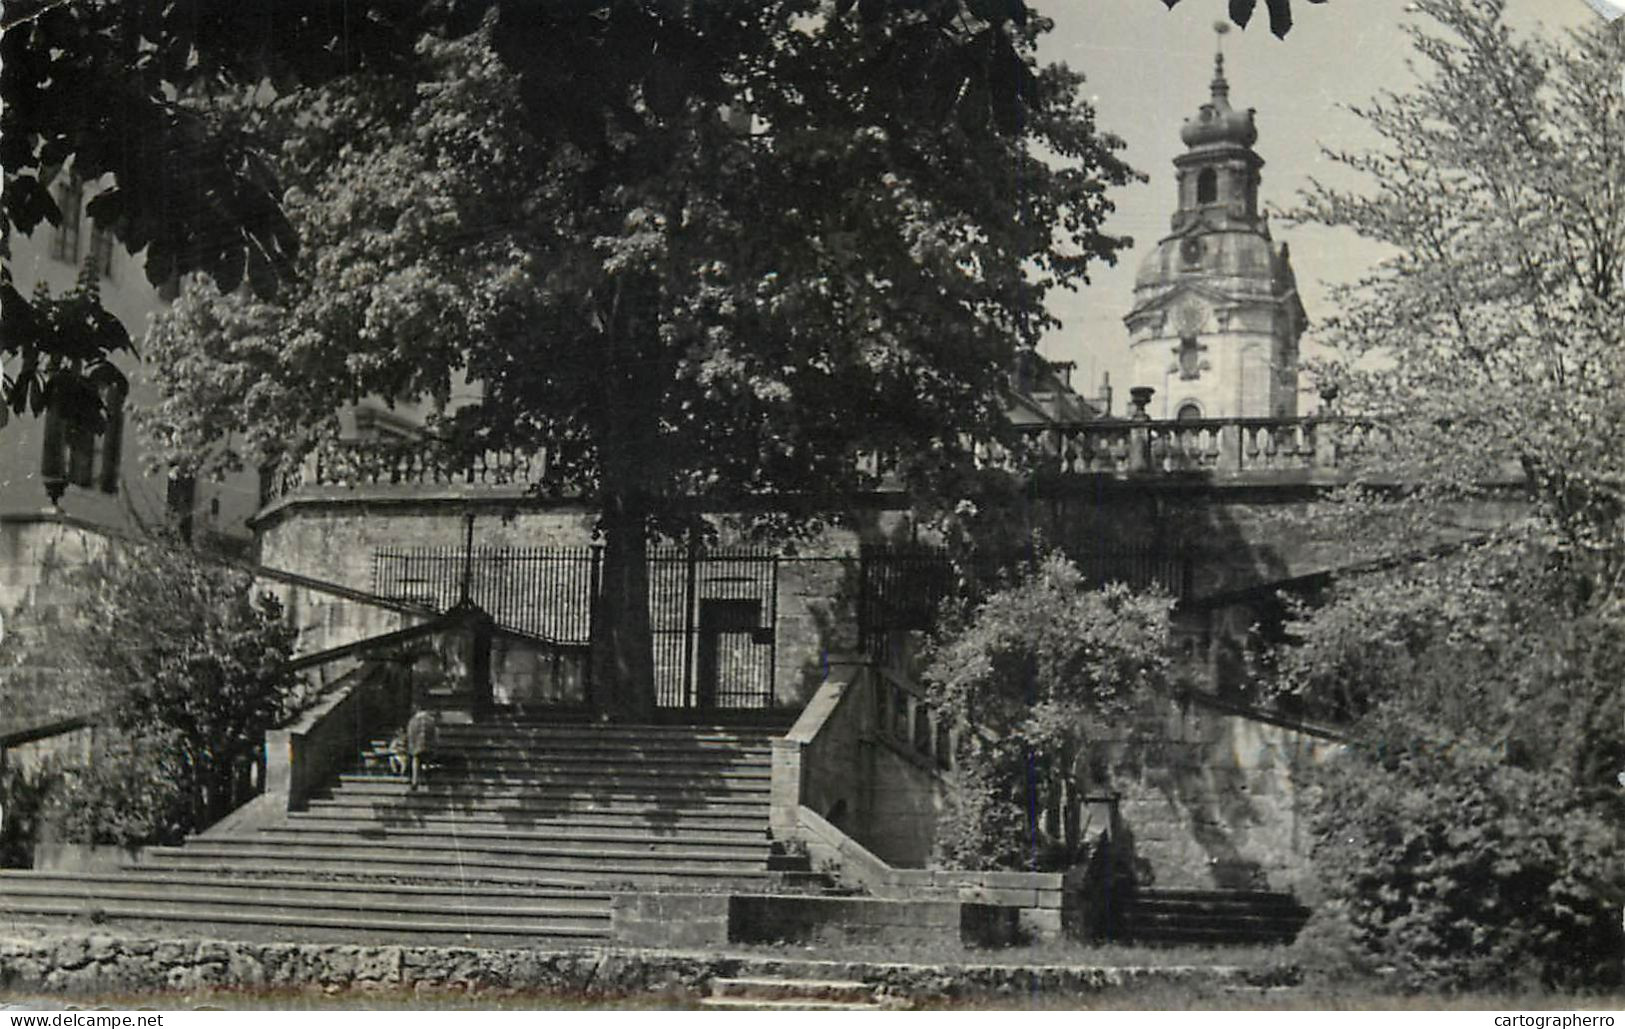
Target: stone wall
92	967
333	536
1218	799
714	920
72	747
36	554
906	796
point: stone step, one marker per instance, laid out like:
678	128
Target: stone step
1213	917
506	910
587	743
463	839
652	784
667	797
407	809
1205	937
571	853
613	732
625	770
1140	922
315	927
302	886
840	991
749	1004
586	762
582	827
681	876
600	868
1228	897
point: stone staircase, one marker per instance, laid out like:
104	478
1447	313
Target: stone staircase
520	834
1212	917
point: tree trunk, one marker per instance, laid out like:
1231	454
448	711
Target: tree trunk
622	639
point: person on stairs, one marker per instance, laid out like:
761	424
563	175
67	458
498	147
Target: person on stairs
420	740
399	758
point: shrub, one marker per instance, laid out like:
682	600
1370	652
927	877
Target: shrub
22	799
1459	868
187	662
1037	672
131	792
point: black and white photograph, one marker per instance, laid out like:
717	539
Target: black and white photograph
958	506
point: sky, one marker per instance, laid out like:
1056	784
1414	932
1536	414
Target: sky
1148	68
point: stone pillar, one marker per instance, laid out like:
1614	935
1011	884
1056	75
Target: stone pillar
1139	437
784	789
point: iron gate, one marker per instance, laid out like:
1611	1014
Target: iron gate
713	614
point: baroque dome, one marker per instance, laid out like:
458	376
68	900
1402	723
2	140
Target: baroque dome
1236	253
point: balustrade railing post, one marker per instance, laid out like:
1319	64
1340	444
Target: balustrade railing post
1328	435
1139	434
1230	447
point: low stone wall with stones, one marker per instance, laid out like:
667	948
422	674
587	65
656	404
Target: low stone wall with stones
92	966
715	920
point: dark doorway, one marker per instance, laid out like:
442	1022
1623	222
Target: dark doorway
729	630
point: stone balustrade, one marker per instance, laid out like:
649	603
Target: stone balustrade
1265	448
410	463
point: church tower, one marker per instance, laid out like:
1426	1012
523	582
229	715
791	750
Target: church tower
1216	318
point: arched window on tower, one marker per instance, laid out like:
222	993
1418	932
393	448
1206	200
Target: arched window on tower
1207	186
1189	411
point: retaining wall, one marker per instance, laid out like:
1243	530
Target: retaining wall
1218	798
92	966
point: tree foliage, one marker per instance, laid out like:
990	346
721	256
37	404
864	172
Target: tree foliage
101	88
131	792
1464	836
1492	340
1038	673
718	250
104	87
1241	12
190	665
1481	850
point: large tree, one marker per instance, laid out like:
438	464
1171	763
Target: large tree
1465	834
690	249
1491	340
102	85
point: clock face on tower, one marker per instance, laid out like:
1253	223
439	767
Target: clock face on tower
1190	251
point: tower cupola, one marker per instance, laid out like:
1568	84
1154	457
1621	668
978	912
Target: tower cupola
1216	318
1218	123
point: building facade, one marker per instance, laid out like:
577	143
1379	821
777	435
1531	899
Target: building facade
107	483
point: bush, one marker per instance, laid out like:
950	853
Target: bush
1458	868
22	800
130	793
1037	672
187	663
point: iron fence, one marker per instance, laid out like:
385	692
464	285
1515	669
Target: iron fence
713	614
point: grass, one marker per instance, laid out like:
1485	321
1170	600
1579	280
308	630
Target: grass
1143	997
